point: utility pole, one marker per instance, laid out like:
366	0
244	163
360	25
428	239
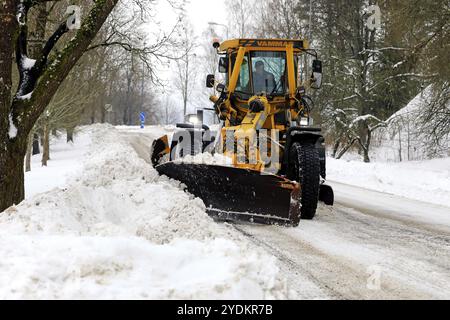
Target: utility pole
186	82
142	83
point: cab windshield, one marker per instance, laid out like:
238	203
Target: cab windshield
269	72
262	71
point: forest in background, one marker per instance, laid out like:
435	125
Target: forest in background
369	74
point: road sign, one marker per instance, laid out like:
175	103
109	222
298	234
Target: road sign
142	118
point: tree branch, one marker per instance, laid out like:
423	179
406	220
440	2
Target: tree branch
54	73
50	44
21	46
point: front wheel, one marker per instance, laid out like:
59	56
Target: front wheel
304	167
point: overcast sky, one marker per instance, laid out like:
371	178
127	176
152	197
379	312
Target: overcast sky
199	13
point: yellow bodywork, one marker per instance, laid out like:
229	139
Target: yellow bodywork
237	111
240	121
263	106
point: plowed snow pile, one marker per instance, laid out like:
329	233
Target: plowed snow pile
425	180
118	230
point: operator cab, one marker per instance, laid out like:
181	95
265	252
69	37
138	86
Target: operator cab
265	66
261	72
276	69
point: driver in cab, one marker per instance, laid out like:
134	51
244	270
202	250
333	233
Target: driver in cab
262	79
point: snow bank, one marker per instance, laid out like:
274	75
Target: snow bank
427	180
66	161
67	267
404	138
118	230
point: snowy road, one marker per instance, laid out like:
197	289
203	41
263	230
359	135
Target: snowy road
362	253
369	245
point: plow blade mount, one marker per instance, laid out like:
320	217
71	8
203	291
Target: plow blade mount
239	194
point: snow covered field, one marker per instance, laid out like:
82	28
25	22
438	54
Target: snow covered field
115	229
426	180
66	160
406	138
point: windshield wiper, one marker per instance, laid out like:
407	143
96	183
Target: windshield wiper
276	88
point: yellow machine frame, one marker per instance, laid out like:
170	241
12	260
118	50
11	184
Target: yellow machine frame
293	184
248	121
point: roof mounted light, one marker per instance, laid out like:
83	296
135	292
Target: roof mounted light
216	43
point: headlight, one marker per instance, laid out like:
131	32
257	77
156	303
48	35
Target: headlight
193	119
304	121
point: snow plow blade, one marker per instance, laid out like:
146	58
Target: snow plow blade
239	194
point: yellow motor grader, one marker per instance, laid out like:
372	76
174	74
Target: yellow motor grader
276	171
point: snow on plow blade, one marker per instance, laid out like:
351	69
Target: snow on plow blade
239	194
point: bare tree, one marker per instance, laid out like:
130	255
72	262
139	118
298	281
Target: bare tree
171	113
240	15
281	18
41	77
186	65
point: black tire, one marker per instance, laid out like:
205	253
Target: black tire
304	167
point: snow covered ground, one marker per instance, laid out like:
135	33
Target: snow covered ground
426	180
100	223
115	229
406	138
66	161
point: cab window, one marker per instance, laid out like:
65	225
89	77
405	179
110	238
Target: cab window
269	72
243	85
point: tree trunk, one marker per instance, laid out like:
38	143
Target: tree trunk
93	116
103	115
336	145
36	144
367	145
12	188
345	149
11	161
409	140
37	36
366	155
69	132
186	87
28	155
46	145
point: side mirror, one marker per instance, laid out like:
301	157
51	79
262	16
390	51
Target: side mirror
223	65
210	81
220	87
316	77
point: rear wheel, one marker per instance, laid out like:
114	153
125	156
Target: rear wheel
304	167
